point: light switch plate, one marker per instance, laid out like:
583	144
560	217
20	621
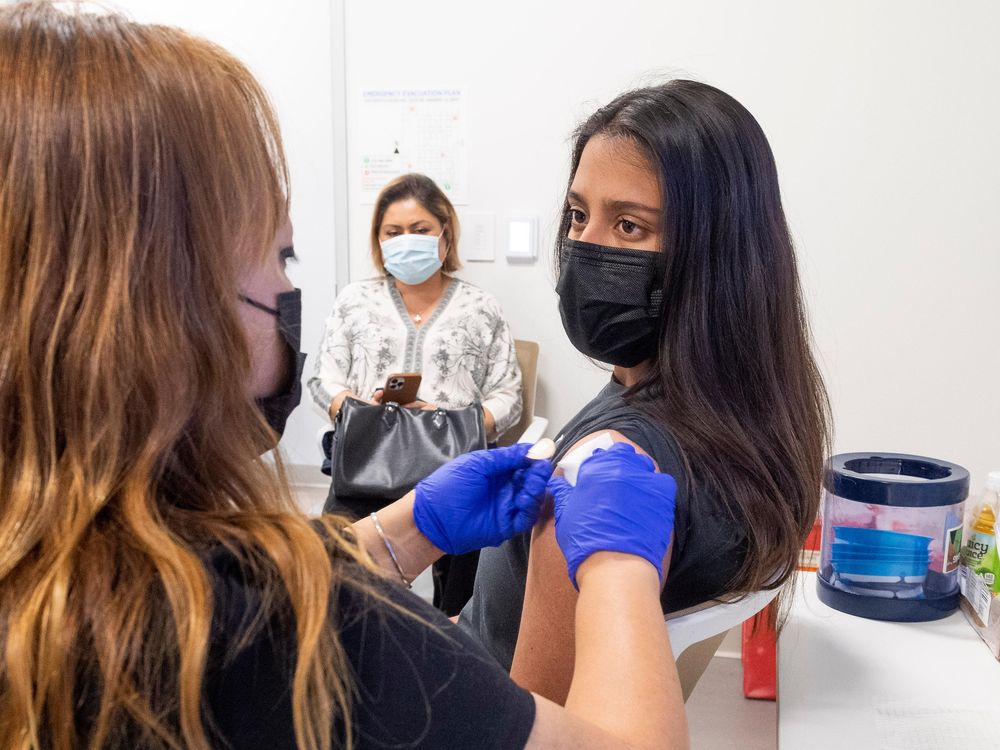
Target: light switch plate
478	236
522	239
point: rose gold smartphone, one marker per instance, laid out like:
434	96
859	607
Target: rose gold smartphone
401	387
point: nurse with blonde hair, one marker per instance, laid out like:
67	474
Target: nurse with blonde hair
159	588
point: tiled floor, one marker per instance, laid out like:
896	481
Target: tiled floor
310	489
719	717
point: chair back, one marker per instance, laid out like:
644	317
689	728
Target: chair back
695	633
527	361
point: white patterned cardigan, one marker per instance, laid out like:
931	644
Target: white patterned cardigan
464	351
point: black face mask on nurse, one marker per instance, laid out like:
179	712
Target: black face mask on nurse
609	301
276	408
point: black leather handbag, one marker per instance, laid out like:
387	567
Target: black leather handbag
378	453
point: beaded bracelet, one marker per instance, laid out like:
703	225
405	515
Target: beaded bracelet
391	551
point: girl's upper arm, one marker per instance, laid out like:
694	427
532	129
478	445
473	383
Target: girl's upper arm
545	651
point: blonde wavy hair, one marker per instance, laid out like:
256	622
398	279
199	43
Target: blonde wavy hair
140	169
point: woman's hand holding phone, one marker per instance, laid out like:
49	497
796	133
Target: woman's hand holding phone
377	399
421	405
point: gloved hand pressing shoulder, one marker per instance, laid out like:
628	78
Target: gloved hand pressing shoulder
619	504
481	499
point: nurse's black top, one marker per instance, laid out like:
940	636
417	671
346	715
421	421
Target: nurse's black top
420	682
708	548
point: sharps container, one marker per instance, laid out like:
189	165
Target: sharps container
892	535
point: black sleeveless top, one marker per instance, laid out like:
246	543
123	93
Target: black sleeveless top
708	548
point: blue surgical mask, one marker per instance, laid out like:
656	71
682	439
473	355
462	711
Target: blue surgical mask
411	258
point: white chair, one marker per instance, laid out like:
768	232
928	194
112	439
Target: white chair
535	431
695	633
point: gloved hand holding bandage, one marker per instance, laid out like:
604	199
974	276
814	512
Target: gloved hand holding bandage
619	504
481	499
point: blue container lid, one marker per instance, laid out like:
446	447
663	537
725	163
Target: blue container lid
849	475
881	538
876	550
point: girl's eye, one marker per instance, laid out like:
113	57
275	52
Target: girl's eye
288	254
576	216
627	226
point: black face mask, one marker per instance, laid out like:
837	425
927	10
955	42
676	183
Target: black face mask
609	300
276	408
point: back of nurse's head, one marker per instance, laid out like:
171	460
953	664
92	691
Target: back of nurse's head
141	182
142	173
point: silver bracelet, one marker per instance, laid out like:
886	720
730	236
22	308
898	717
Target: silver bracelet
392	553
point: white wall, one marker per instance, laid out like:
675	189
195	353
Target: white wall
288	47
883	120
880	115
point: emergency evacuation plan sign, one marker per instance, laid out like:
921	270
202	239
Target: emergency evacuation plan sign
413	130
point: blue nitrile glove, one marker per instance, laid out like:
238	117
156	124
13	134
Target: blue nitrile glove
481	499
619	504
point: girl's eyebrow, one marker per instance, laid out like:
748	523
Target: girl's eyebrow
616	205
632	206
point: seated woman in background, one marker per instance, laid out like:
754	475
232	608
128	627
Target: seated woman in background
417	317
676	267
159	587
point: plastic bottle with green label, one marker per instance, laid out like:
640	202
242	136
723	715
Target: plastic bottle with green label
979	554
989	568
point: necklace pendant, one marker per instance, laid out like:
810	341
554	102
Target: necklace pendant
417	318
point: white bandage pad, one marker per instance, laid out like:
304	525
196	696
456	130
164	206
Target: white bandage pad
570	463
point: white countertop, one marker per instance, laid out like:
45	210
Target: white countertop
838	673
